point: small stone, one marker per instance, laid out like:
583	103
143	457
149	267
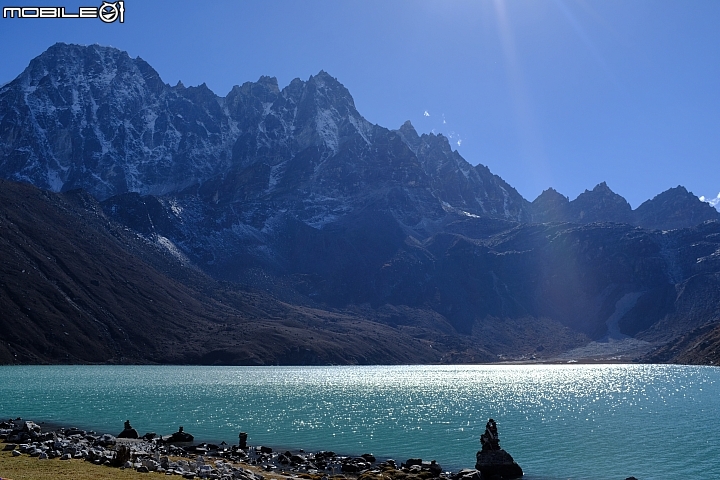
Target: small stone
16	453
369	457
471	475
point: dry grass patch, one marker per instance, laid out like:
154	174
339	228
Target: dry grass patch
31	468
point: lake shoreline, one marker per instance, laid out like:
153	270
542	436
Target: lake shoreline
49	440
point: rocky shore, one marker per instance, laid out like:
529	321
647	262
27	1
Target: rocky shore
177	454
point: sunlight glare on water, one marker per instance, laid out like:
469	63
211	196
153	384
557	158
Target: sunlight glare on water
558	421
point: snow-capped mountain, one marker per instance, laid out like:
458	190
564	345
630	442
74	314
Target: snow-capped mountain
91	117
292	192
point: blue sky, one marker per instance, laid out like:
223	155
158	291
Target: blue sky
546	93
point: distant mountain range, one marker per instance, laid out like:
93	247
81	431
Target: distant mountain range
268	208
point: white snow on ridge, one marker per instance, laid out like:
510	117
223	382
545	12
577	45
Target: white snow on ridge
176	208
506	197
54	180
170	247
275	174
449	208
363	127
76	107
326	125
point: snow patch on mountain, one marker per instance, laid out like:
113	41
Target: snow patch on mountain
363	127
276	172
327	127
168	245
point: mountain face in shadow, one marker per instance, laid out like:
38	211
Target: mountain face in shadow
284	209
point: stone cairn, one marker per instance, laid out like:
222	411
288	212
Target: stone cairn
128	431
492	461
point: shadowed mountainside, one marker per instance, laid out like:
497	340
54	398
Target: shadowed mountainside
279	226
78	288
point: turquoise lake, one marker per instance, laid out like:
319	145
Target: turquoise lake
558	421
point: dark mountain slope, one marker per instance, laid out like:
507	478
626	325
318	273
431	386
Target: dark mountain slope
76	287
700	346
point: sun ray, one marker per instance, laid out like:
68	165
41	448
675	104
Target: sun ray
532	150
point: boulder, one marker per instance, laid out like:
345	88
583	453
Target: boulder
369	457
497	464
433	468
122	456
32	430
180	436
105	440
410	462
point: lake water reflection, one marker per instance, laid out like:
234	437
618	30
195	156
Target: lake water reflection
558	421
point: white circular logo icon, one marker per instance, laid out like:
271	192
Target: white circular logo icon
109	12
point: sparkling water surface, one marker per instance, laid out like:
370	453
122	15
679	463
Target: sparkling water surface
558	421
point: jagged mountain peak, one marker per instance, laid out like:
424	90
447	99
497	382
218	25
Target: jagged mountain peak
675	208
550	206
551	192
679	191
600	204
551	195
124	130
91	117
75	62
410	136
408	128
602	186
324	79
327	90
601	190
271	83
